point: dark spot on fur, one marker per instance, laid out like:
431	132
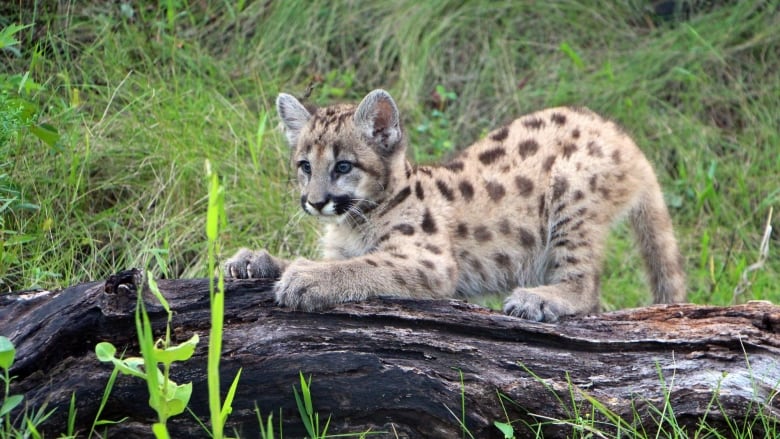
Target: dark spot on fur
524	185
495	191
502	260
399	280
560	186
371	262
548	163
558	118
594	150
541	204
575	133
454	166
605	193
433	249
466	189
397	199
477	266
527	239
405	229
428	224
462	230
425	170
616	156
427	264
504	226
534	123
383	238
592	182
399	255
418	191
491	155
445	190
527	148
578	195
500	135
482	234
569	149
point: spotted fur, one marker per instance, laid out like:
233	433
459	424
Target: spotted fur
523	212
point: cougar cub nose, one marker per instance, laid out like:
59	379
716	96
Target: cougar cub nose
318	205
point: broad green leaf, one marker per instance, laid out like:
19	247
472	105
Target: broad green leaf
10	403
131	366
506	429
7	352
179	399
105	351
182	352
46	133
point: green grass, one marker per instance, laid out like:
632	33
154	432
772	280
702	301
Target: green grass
143	95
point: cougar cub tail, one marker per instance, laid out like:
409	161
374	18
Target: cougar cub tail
654	233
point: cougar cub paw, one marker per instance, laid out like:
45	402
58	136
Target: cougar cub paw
247	264
304	286
535	307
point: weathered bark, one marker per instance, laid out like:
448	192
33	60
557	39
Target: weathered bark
394	365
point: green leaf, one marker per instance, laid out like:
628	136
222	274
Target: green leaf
105	351
572	54
304	414
156	291
506	429
10	403
182	352
131	366
177	398
227	407
7	352
46	133
7	35
306	391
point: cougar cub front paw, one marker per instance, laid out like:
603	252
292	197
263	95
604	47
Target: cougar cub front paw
536	307
306	285
247	264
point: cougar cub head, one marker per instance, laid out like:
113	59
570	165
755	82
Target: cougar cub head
345	155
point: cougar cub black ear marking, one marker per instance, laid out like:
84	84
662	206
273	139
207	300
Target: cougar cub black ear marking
293	114
377	119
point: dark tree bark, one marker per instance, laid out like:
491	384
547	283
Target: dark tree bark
395	365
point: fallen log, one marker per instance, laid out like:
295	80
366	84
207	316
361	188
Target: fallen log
403	367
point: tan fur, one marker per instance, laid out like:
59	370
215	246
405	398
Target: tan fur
523	212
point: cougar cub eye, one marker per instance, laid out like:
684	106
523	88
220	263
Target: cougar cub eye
343	167
305	167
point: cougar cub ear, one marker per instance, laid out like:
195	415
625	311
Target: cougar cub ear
293	114
377	118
